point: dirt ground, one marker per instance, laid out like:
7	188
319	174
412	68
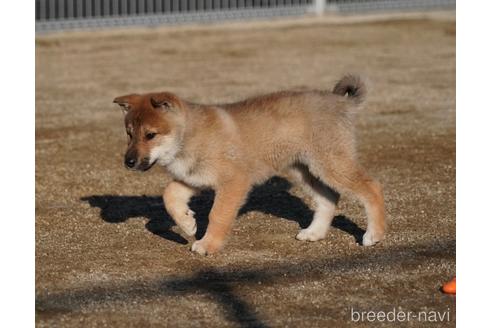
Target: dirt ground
108	255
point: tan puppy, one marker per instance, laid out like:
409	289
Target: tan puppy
232	147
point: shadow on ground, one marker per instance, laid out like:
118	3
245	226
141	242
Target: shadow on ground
221	285
272	198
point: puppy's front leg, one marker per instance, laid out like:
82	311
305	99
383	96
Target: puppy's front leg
176	197
229	198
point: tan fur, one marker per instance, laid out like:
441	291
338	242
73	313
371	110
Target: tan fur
232	147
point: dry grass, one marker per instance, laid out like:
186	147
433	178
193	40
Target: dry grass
106	255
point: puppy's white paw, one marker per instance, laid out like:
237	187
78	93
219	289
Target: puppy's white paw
310	235
199	247
371	238
188	223
189	228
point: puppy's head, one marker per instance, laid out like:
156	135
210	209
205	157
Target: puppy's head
154	125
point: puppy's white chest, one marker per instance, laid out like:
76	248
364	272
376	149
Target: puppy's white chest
191	173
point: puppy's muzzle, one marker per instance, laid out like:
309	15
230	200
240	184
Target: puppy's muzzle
133	163
144	164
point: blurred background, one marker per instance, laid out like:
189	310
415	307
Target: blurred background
70	14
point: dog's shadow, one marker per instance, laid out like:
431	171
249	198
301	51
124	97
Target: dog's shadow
272	197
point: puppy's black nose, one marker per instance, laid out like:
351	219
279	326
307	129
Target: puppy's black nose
130	162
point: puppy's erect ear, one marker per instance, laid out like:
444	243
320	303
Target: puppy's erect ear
156	102
125	102
165	100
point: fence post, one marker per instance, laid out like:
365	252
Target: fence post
319	7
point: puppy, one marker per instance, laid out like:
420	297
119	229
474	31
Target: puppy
232	147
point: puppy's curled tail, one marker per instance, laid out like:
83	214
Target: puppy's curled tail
352	86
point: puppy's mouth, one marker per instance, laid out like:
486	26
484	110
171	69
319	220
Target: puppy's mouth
145	165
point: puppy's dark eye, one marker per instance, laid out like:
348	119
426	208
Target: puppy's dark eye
129	134
150	136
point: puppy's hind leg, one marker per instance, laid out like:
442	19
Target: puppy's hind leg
176	197
344	174
326	201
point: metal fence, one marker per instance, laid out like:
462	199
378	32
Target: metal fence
76	14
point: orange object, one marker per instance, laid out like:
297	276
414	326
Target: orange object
450	287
